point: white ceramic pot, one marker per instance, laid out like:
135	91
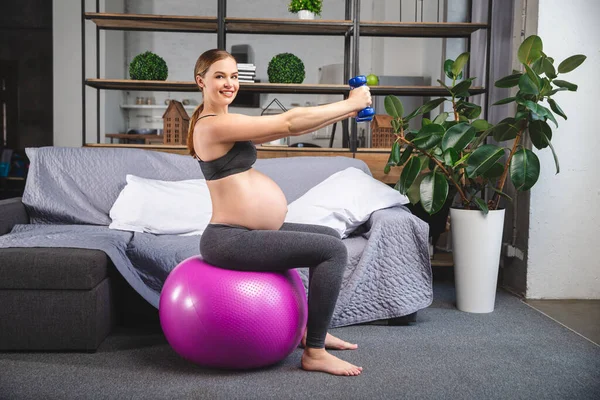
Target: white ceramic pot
476	245
305	14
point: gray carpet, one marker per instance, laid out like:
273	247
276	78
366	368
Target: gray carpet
513	353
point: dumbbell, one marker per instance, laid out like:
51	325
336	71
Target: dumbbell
366	114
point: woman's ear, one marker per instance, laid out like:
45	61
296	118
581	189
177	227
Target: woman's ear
199	81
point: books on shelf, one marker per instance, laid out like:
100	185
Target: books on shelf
246	72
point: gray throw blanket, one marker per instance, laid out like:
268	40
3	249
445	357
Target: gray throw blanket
70	191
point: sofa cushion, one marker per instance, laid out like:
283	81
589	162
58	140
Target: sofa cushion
52	268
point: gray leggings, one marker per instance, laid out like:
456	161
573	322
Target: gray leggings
292	246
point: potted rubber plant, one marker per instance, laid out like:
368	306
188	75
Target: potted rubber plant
306	9
449	157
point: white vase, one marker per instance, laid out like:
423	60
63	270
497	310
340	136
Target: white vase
476	245
305	14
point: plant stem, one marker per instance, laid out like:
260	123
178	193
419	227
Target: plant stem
441	166
496	197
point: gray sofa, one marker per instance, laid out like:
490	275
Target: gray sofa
66	279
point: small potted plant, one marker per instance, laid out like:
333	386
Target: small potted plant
286	68
448	157
148	66
306	9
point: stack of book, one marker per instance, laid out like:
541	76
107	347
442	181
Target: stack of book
246	72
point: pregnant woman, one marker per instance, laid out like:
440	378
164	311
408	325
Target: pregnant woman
247	230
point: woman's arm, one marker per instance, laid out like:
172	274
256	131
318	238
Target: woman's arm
330	122
297	121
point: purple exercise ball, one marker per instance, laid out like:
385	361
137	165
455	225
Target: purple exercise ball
221	318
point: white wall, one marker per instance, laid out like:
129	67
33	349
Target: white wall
564	213
67	56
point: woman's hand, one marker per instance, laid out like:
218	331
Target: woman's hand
360	97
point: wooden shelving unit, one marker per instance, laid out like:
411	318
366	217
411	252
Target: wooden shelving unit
351	28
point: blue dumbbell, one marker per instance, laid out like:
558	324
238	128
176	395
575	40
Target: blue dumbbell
366	114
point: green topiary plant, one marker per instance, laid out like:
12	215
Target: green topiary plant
314	6
286	68
148	67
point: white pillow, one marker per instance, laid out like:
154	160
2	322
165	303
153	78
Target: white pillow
162	207
344	201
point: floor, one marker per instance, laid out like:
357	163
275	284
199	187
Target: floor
581	316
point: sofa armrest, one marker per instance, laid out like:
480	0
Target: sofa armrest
12	212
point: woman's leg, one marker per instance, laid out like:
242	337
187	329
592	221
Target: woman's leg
267	250
331	342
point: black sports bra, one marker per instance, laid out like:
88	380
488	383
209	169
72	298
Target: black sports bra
238	159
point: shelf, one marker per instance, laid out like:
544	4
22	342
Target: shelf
154	106
419	29
277	88
321	27
147	22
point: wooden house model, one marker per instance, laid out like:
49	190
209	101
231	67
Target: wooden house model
176	122
382	133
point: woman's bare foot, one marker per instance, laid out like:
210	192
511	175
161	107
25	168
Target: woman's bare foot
320	360
333	343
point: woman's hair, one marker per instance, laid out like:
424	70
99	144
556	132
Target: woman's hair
203	63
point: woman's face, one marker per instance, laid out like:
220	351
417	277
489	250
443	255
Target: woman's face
221	82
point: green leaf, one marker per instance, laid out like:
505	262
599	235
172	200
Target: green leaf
481	125
530	50
460	62
481	204
526	85
564	84
468	110
549	68
462	86
433	191
405	155
425	121
538	65
546	87
462	160
533	77
524	169
504	101
501	193
549	115
506	129
395	153
443	84
555	107
448	68
387	169
540	134
440	119
495	171
393	106
458	137
396	125
430	105
483	158
429	136
555	157
411	170
414	192
411	115
508	81
571	63
451	156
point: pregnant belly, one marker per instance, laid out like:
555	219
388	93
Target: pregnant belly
254	201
